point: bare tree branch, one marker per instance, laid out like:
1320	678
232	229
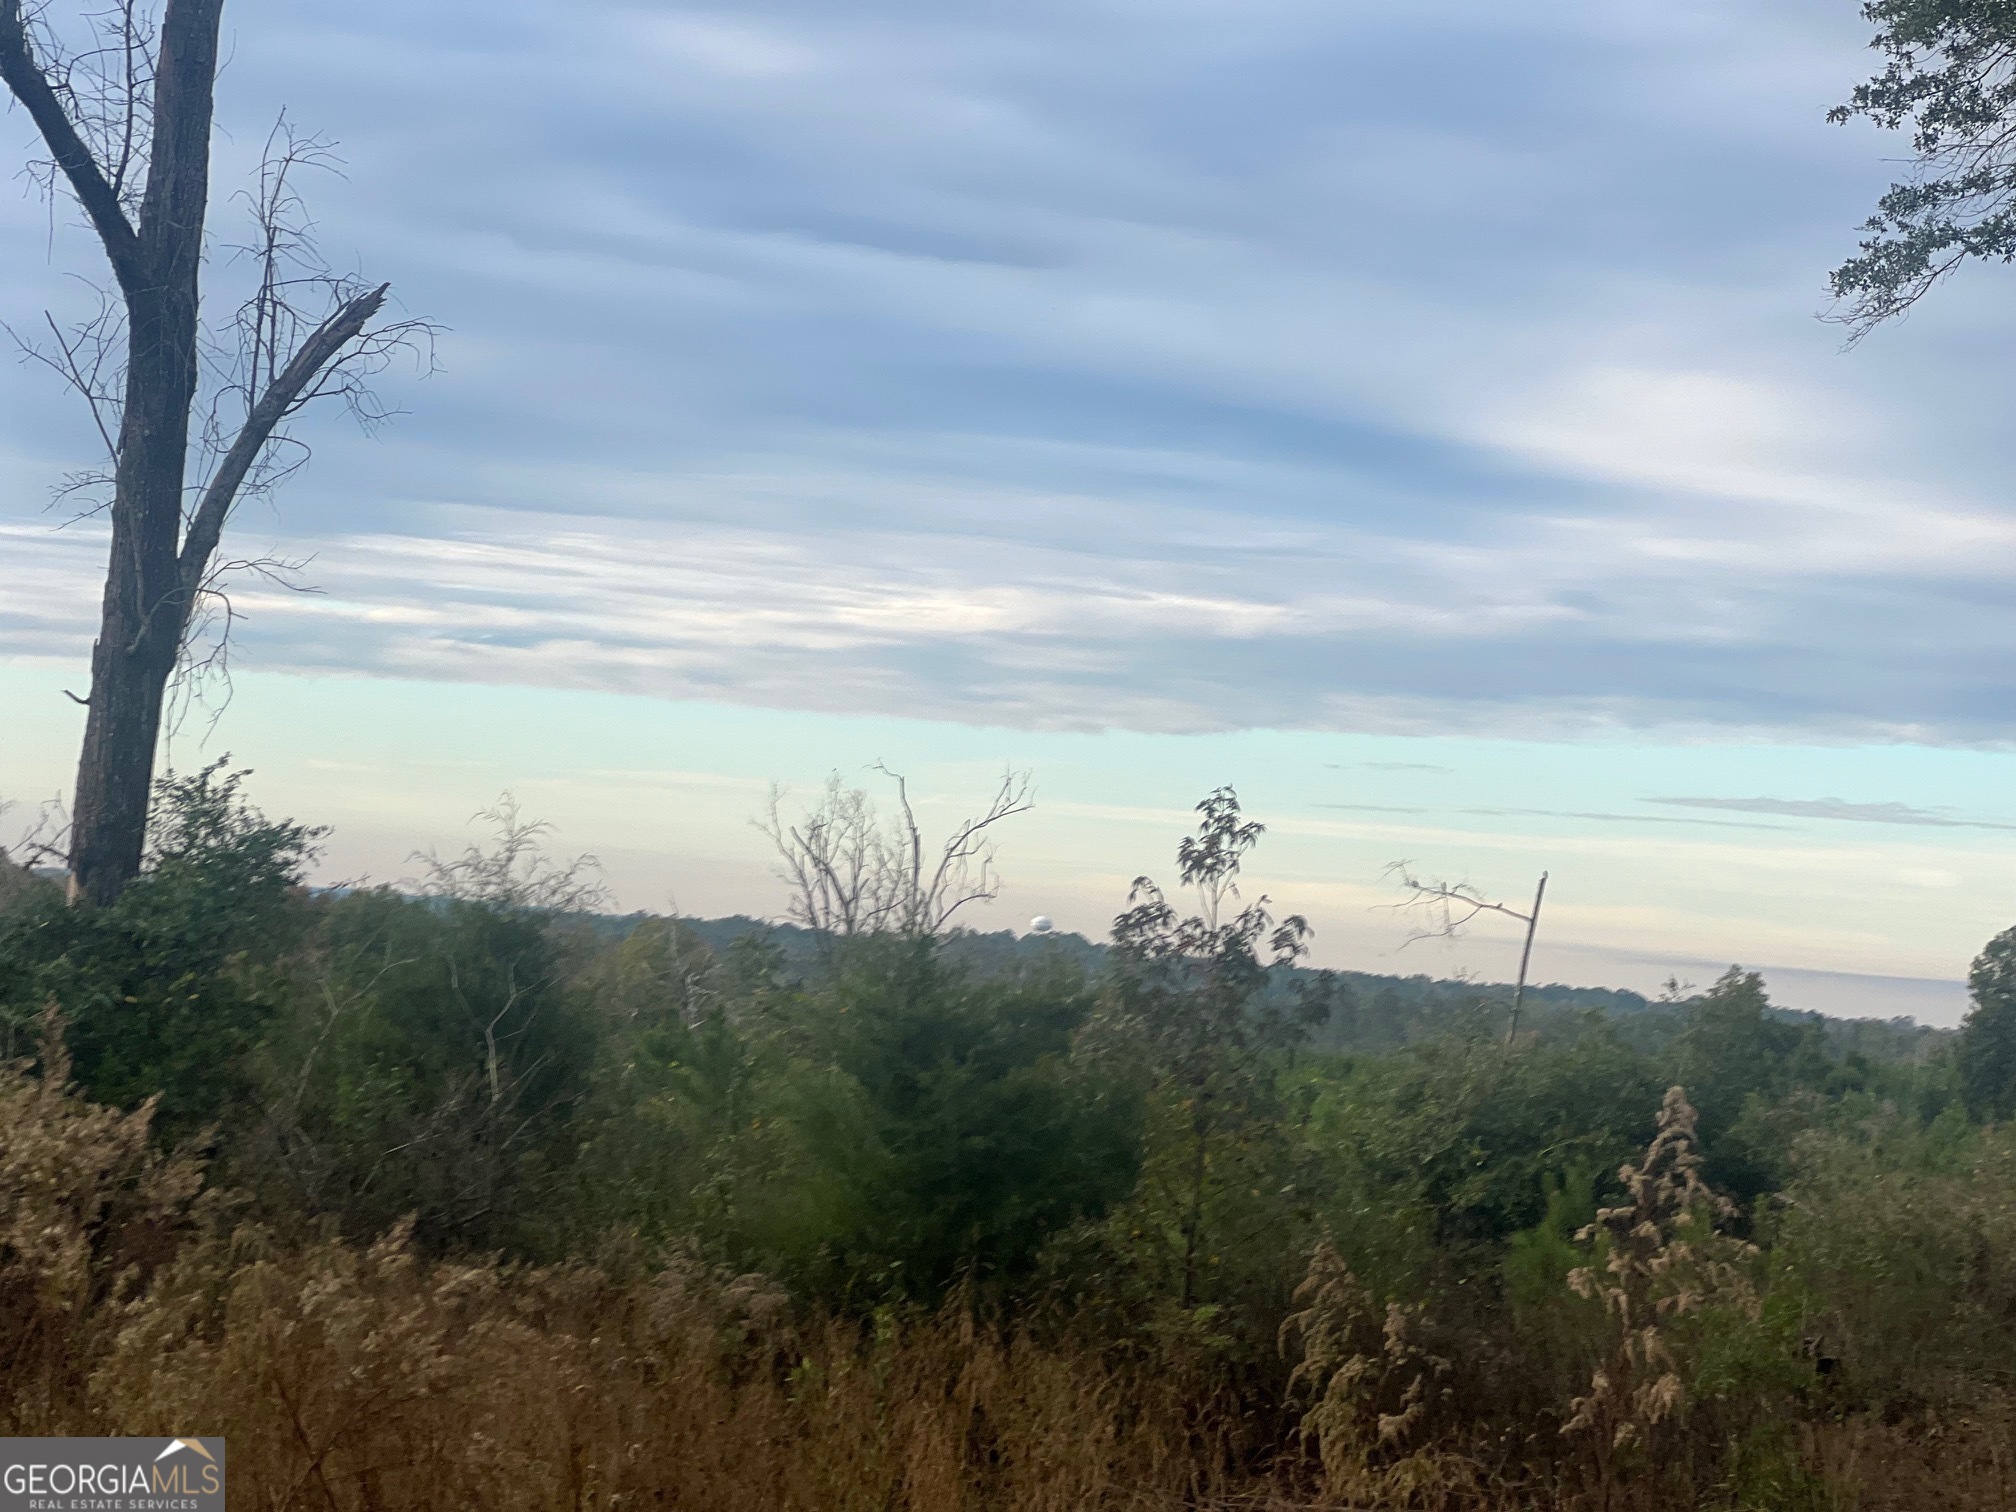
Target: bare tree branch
285	394
851	873
80	356
1451	905
1448	905
210	636
515	873
45	841
25	76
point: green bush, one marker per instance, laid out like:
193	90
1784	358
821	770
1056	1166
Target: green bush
167	990
430	1064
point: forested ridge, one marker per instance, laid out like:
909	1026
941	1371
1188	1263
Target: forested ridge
1375	1010
471	1183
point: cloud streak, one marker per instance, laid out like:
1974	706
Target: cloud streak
1115	366
1542	813
1835	809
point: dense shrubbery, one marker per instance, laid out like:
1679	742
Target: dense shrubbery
471	1189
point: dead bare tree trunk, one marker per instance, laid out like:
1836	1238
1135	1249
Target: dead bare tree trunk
1525	960
162	549
1451	905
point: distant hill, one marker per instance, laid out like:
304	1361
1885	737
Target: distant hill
1379	1012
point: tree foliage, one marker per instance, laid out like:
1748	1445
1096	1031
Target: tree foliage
1950	80
1987	1055
167	990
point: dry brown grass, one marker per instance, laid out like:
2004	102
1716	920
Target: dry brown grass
369	1379
88	1210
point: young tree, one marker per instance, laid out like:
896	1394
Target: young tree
1193	993
515	874
1740	1057
1949	78
438	1046
125	117
941	1129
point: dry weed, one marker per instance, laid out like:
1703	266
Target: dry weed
1378	1400
88	1209
371	1380
1664	1260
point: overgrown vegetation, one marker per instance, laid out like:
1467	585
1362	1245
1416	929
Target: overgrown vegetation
464	1195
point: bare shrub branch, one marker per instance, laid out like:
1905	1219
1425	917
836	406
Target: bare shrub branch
515	872
44	841
851	872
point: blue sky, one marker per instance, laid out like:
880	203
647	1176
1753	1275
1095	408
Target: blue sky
1158	395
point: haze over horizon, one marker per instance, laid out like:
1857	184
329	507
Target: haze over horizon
1419	421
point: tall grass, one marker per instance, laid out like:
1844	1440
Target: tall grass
366	1378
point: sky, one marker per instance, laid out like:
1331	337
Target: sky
1419	417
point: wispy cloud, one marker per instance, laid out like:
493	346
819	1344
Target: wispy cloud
1837	809
1538	813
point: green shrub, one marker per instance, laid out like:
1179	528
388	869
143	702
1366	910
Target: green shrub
166	990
